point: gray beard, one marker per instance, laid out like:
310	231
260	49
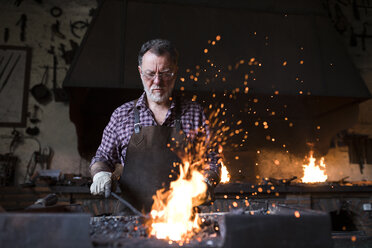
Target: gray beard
158	98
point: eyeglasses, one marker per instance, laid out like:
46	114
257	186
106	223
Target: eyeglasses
162	75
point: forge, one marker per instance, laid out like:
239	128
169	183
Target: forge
249	227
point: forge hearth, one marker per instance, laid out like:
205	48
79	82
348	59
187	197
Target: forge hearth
129	231
272	226
276	226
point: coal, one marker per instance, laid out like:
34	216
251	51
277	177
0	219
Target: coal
129	231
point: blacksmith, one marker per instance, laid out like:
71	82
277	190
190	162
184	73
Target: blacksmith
139	132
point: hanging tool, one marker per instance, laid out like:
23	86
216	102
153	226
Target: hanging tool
56	11
34	120
40	91
68	55
78	26
55	64
22	22
30	170
15	140
60	95
41	158
56	32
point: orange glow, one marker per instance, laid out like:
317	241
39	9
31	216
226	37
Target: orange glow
172	211
225	175
297	214
206	50
314	173
218	37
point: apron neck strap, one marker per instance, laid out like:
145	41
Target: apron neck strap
137	125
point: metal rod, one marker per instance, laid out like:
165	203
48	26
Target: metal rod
127	204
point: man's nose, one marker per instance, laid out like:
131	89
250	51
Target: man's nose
157	79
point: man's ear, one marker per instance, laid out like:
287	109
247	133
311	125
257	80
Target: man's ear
139	70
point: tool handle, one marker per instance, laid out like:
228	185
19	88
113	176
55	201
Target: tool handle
107	190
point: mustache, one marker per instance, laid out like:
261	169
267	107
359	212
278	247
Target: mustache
156	87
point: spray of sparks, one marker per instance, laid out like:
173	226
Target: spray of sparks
172	213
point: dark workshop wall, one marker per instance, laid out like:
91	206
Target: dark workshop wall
41	25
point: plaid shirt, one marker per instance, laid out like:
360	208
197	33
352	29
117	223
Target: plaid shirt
119	130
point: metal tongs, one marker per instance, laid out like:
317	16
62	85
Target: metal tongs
108	190
127	204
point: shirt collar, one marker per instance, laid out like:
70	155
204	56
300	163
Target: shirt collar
141	103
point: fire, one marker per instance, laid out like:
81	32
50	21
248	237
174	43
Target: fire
314	173
172	212
225	175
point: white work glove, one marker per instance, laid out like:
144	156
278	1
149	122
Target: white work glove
101	183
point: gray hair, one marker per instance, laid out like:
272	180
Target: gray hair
159	47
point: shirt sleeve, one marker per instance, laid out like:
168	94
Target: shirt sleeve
107	152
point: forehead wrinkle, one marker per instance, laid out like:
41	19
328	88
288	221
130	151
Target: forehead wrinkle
154	63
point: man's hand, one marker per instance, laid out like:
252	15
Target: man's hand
101	183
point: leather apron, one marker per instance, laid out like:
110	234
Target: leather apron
149	161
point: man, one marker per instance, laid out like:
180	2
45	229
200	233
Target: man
139	133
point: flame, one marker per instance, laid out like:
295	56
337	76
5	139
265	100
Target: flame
314	173
172	212
225	175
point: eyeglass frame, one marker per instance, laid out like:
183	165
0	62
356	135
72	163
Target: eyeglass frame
160	75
